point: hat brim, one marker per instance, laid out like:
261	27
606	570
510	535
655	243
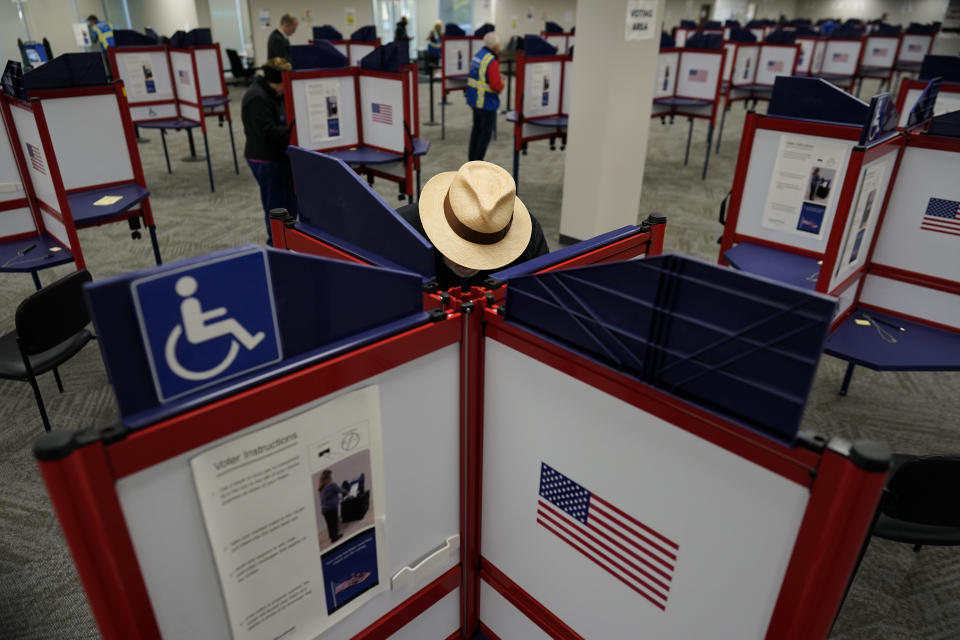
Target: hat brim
471	255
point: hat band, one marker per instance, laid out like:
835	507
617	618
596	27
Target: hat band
472	235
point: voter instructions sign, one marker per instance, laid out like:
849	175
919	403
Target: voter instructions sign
641	22
207	322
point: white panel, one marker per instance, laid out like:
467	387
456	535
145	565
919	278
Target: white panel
806	54
16	221
189	113
745	65
504	619
102	129
456	57
570	43
840	57
864	215
475	45
908	102
682	35
666	78
912	300
541	88
55	228
816	64
39	171
567	83
349	133
757	186
730	48
734	521
166	525
923	174
11	186
439	621
358	51
342	48
758	32
534	130
880	51
774	61
183	80
154	112
947	102
699	75
914	47
559	41
146	75
388	96
208	70
847	298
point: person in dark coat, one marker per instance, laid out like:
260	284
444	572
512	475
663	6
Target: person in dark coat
278	45
476	224
268	135
400	35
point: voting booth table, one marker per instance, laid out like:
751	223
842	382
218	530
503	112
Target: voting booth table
870	221
688	84
73	163
627	430
174	89
361	116
542	99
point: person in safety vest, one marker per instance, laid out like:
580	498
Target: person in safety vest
100	31
433	43
483	94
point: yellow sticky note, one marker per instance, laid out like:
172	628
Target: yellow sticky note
106	201
862	323
819	261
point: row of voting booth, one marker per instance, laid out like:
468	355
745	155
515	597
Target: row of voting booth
69	161
360	43
830	197
463	418
174	88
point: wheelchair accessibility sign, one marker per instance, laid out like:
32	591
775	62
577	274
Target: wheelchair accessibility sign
207	322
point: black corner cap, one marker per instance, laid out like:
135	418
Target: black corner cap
54	445
436	315
871	456
656	218
493	283
430	286
467	307
278	214
812	442
115	433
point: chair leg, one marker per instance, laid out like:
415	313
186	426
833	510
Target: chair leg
56	376
916	548
43	410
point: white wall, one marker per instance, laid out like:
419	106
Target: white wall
51	19
508	12
332	12
900	12
165	16
676	10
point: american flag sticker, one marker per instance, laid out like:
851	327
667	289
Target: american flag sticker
382	113
615	541
698	75
879	52
914	47
775	65
942	216
36	158
840	57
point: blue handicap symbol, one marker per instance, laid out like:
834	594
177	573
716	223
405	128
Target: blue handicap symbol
207	322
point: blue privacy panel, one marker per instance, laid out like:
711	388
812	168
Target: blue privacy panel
815	99
288	310
335	200
741	346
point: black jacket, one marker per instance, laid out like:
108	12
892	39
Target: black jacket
263	123
400	35
447	278
278	46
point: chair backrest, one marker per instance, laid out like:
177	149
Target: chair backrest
236	65
53	314
925	491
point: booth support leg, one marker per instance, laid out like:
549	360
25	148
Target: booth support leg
723	119
156	245
443	118
418	184
431	122
859	85
193	157
848	374
706	161
136	134
206	148
166	154
686	156
36	280
233	147
516	169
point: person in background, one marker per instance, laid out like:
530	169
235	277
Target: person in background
268	135
330	493
433	43
100	31
483	94
476	224
278	45
400	35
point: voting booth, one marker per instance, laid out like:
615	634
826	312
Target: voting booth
542	102
562	40
878	59
913	48
948	98
352	50
54	117
687	84
468	432
834	59
456	52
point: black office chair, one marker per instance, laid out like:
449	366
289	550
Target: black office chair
239	72
921	502
50	329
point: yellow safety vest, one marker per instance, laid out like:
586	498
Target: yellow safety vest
477	86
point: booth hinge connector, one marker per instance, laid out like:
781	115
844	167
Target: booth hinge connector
436	315
467	307
114	433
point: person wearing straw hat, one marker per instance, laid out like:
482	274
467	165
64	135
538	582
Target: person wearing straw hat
476	223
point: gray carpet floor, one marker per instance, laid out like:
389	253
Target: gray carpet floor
897	593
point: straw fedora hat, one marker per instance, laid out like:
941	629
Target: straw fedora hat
474	217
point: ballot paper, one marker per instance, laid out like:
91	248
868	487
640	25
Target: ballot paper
806	178
106	201
323	109
282	570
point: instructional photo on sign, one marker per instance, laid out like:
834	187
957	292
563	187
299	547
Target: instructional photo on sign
138	75
294	513
804	185
323	109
